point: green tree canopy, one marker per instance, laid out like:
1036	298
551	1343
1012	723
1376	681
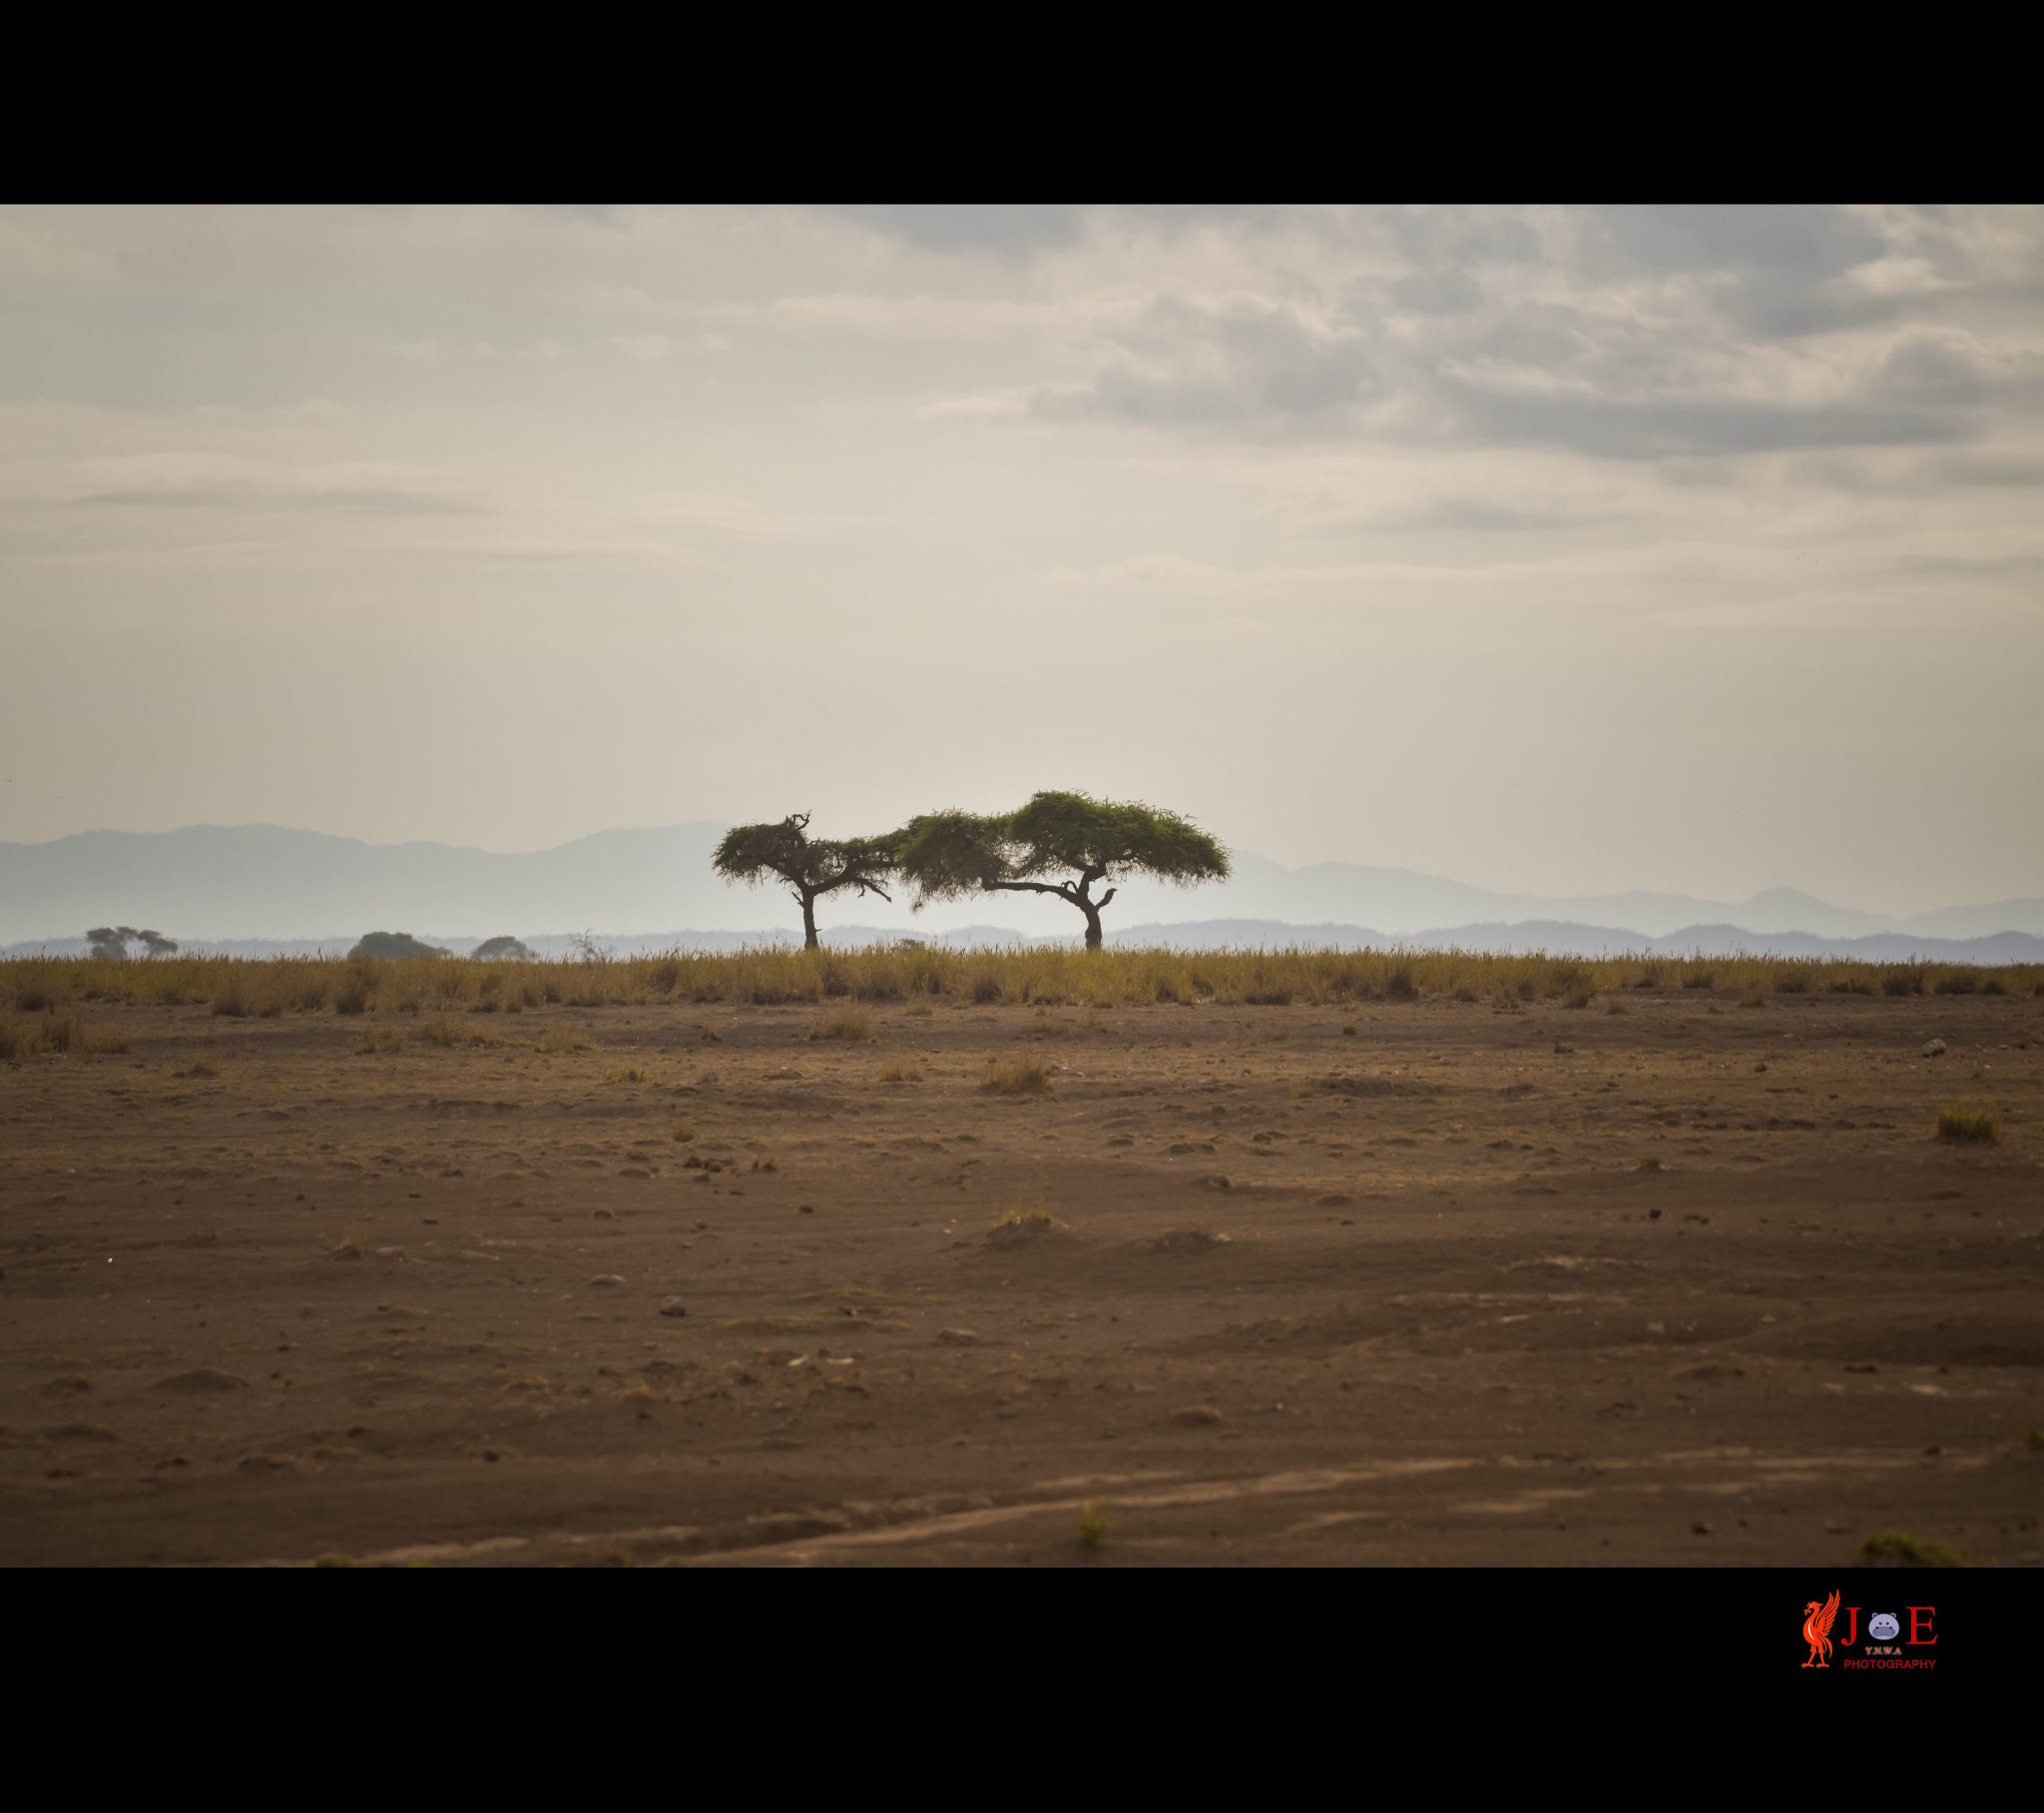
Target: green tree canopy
111	941
493	950
947	855
395	945
810	866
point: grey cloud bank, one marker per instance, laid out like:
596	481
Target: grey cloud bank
1571	550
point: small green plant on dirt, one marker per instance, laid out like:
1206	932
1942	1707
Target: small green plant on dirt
684	1132
616	1556
2034	1441
1349	1030
1096	1517
852	1023
1911	1550
900	1073
335	1560
1969	1125
381	1039
1039	1217
1015	1079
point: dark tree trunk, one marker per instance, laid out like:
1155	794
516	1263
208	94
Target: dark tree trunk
1093	933
809	922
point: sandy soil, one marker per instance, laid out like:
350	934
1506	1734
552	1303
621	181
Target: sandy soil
1401	1296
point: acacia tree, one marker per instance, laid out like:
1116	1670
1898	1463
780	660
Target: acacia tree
111	941
810	866
950	854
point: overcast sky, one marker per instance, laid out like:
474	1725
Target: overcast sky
1556	550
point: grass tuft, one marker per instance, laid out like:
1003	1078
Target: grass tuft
381	1039
1015	1079
852	1023
900	1073
1911	1550
1982	1126
559	1039
1096	1517
683	1132
631	1073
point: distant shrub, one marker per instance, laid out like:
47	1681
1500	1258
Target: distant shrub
491	949
1791	982
395	945
1399	985
1993	985
1700	979
351	992
381	1039
1957	983
1902	982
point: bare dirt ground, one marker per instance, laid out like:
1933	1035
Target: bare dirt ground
1404	1296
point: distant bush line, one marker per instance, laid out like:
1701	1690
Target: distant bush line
1114	977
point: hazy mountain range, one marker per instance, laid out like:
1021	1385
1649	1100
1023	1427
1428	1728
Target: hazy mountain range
263	886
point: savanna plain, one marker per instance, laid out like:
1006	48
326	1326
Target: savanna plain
1036	1257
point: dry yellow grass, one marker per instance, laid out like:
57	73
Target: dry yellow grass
1052	976
852	1023
1019	1078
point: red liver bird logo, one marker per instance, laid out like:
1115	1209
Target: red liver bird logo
1817	1630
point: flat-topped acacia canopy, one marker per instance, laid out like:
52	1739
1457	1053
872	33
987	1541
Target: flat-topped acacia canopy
810	866
950	854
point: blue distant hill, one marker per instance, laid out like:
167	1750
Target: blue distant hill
266	886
